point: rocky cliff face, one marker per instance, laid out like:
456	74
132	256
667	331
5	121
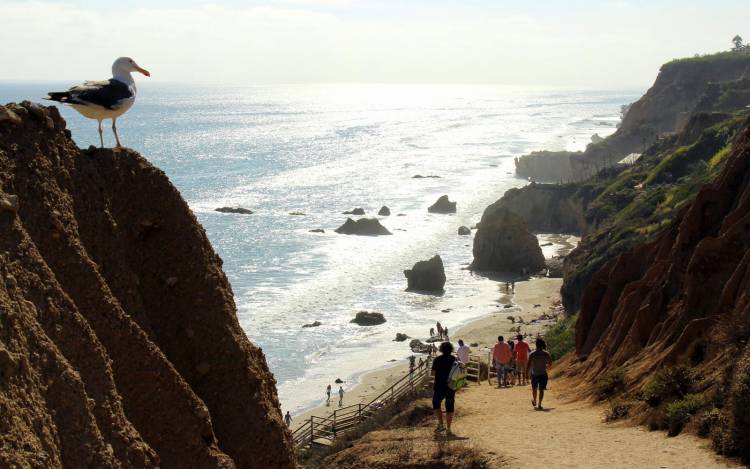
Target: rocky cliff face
503	243
548	208
717	83
683	298
119	342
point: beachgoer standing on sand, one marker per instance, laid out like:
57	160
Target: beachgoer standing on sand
341	396
288	419
539	361
522	359
441	369
328	395
501	357
433	350
445	333
513	286
439	328
463	352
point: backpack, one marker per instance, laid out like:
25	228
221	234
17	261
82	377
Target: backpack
457	376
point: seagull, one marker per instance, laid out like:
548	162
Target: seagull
107	99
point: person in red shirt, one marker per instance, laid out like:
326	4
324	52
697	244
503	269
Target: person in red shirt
522	359
501	358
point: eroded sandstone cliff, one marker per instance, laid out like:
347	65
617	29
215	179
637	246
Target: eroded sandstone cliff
119	342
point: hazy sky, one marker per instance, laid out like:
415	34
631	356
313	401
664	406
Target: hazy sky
567	42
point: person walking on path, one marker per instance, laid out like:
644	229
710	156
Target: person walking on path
441	369
328	395
501	357
341	396
512	369
463	352
522	359
288	419
539	361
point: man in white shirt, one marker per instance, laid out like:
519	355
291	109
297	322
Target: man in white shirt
462	353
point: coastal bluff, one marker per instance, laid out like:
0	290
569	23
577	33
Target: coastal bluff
119	340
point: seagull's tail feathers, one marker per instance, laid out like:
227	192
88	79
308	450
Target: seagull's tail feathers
59	96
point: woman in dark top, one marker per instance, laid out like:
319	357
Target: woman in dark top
441	368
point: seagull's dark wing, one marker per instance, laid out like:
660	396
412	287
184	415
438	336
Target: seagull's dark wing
107	94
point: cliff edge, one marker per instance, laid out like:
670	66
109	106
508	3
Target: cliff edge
119	341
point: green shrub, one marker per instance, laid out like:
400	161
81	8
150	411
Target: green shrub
610	383
618	409
561	338
668	383
708	420
678	413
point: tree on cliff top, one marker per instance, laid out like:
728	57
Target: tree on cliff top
738	45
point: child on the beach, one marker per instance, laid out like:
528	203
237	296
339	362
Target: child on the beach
328	395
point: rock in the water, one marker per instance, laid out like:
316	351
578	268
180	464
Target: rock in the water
417	346
384	211
312	324
317	230
240	210
356	211
363	227
297	214
338	381
426	275
503	243
464	231
419	176
368	318
442	205
400	337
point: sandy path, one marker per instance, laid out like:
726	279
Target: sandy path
569	434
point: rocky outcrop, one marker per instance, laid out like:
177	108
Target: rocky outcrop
682	88
238	210
503	243
442	205
400	337
666	302
363	227
119	343
356	211
368	318
548	208
426	276
384	211
312	324
417	346
464	231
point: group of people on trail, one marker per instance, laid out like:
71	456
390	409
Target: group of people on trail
328	395
442	332
513	363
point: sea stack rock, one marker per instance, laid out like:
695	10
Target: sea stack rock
356	211
442	205
426	276
384	211
363	227
239	210
464	231
367	318
503	243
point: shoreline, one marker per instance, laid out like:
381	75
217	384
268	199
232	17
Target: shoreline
533	298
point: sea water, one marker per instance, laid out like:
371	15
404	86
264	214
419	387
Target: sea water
324	149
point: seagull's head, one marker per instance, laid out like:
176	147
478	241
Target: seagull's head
126	65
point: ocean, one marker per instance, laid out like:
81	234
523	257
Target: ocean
321	150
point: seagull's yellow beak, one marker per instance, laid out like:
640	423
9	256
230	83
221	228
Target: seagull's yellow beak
142	70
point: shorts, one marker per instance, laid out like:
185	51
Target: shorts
539	381
444	393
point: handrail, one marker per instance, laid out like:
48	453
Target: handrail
351	416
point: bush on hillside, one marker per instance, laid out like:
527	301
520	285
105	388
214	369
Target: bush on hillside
618	409
670	382
561	338
610	383
678	413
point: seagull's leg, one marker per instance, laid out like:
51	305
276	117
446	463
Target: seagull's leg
101	137
114	129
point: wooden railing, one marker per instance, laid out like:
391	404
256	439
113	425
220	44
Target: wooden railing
324	430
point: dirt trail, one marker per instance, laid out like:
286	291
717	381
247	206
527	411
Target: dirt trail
568	434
